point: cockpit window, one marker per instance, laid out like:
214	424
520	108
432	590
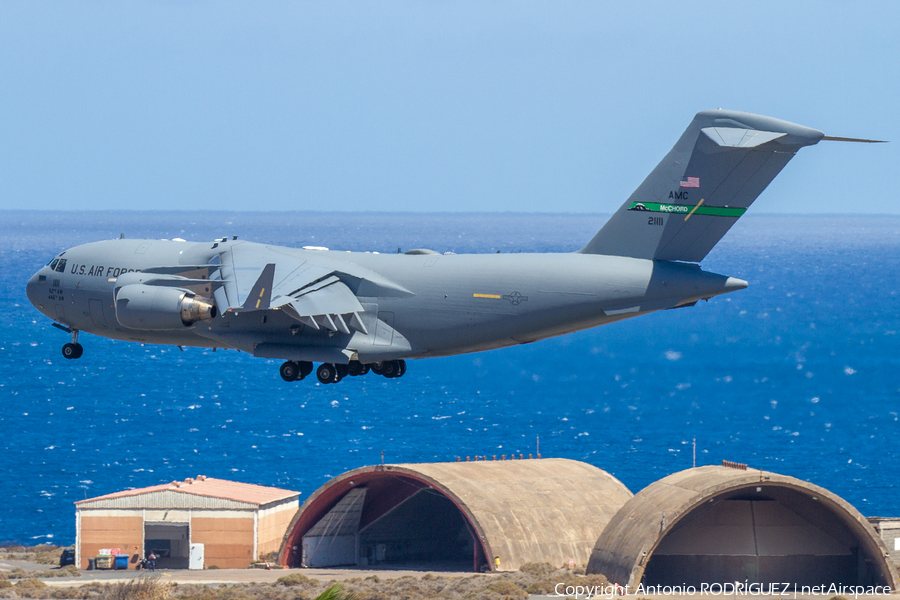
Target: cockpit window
60	266
53	262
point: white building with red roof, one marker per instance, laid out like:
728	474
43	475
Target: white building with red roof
200	522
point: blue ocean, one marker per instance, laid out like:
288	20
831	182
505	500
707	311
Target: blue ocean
798	374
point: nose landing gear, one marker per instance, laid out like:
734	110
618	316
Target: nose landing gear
73	349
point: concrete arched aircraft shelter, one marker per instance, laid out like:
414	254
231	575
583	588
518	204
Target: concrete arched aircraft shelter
460	515
720	524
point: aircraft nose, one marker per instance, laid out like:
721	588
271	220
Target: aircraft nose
31	289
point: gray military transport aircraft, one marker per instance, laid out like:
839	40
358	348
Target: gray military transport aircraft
353	311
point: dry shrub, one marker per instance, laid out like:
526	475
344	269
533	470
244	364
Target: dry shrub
17	573
195	592
20	573
138	588
534	578
68	571
232	593
506	590
294	579
45	554
90	591
29	588
5	584
537	569
76	593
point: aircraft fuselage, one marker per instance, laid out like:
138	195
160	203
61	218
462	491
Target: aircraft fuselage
459	302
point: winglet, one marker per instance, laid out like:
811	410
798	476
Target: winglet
261	294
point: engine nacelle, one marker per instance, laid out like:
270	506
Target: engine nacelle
140	306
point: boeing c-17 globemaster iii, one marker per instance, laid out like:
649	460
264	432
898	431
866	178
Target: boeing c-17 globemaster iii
353	312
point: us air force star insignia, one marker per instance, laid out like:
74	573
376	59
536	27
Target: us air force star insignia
515	298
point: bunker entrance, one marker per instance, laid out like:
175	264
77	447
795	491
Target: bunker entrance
764	535
425	529
410	526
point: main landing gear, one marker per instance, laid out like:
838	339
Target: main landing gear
295	371
332	373
73	349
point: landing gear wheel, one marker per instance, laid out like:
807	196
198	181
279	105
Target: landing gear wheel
290	371
378	368
71	351
356	368
342	371
389	368
326	373
401	368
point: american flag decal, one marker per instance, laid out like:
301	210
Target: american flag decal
691	182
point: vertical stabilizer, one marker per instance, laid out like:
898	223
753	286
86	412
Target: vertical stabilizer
722	162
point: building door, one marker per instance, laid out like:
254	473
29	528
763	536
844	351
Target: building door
170	542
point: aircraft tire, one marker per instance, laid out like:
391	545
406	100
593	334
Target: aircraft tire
342	370
290	371
356	368
326	373
70	351
79	350
401	368
378	368
389	368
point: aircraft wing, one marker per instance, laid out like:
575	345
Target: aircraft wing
318	291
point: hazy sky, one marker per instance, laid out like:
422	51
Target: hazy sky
429	105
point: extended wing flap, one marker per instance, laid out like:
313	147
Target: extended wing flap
334	299
298	279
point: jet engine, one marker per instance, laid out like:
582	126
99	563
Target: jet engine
140	306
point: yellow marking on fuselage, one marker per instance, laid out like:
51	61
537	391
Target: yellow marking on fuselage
491	296
694	209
